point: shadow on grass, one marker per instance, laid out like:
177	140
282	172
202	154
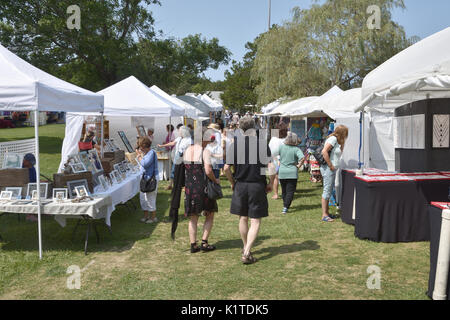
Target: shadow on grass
125	226
305	207
289	248
237	243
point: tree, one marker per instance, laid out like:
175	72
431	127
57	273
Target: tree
326	45
117	39
239	91
37	31
176	65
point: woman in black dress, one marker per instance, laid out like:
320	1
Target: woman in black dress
198	170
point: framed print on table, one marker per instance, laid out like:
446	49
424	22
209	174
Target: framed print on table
95	160
16	192
6	195
71	185
125	141
78	167
60	194
33	186
81	191
86	161
12	160
103	182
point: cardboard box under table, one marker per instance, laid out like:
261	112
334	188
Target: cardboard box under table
394	208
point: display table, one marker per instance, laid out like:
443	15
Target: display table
347	196
435	211
394	208
101	207
121	193
88	211
347	202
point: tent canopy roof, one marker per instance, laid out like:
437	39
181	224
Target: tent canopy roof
198	104
314	108
419	72
24	87
341	105
130	97
287	107
190	111
216	106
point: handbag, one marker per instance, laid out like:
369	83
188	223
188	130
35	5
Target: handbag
214	190
150	184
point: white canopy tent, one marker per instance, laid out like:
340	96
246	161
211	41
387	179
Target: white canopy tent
285	108
216	106
128	103
269	107
314	108
421	71
24	87
190	111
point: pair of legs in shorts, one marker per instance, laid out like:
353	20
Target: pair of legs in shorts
249	201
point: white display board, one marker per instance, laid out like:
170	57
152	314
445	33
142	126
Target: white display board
409	132
441	126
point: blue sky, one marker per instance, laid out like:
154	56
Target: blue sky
235	22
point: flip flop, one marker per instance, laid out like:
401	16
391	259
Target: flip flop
327	219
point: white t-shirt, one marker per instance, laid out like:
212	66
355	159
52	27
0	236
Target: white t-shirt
336	152
274	146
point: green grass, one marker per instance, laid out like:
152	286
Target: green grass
300	257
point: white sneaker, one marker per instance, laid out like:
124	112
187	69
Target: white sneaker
151	220
144	220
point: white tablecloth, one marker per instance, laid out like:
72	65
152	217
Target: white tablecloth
96	209
101	207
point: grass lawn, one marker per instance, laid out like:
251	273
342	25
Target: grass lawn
300	257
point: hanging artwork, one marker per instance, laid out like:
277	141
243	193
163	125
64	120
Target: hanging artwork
441	126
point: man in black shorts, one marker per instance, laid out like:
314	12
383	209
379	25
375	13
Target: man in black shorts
251	164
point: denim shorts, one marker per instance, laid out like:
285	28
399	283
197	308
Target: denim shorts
328	178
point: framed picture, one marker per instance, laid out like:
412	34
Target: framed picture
12	160
34	195
95	160
76	183
125	141
86	161
112	178
60	194
17	192
78	167
6	195
73	159
81	191
141	131
114	146
33	186
103	182
118	177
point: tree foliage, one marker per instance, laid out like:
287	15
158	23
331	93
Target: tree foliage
328	44
239	91
117	39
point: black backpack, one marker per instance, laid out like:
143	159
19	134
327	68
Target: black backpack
318	154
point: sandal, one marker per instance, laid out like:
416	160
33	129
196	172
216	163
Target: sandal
194	247
207	247
327	219
248	259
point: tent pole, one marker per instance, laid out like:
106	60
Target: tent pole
102	133
38	175
169	152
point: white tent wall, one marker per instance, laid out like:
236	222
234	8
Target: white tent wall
381	141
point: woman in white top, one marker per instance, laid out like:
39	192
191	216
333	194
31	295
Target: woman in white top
274	145
332	153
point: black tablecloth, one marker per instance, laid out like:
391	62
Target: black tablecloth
346	201
391	212
435	215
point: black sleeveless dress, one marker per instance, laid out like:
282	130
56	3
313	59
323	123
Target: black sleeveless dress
196	199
